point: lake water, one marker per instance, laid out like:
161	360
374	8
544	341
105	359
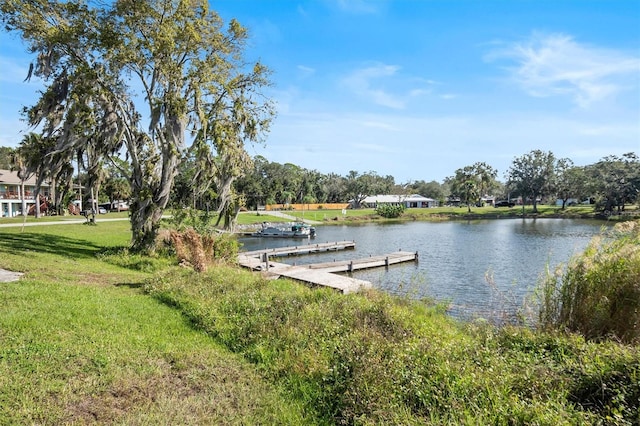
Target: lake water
483	268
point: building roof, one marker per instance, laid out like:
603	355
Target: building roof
395	198
8	177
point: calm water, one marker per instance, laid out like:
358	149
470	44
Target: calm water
481	268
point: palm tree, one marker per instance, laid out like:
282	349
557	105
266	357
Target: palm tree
20	164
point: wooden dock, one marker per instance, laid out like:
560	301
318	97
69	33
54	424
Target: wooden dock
368	262
323	274
302	249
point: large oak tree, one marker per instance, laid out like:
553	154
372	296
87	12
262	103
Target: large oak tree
533	175
152	78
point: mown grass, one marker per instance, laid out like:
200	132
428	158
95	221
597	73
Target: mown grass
67	218
81	344
446	213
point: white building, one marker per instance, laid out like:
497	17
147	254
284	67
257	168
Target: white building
409	201
11	196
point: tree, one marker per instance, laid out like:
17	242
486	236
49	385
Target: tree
174	58
116	185
470	183
485	177
570	181
333	188
532	175
431	189
464	186
36	156
5	157
18	163
616	180
360	186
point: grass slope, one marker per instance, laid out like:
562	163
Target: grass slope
80	343
373	359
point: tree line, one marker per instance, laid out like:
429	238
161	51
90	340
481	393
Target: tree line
610	184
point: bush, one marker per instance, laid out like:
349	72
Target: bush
599	293
390	211
200	250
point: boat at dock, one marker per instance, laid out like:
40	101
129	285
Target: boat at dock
292	230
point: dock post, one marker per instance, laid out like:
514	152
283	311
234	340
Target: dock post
386	262
265	259
350	268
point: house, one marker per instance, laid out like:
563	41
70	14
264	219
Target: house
11	196
488	200
409	201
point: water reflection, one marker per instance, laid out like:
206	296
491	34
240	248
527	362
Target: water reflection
481	268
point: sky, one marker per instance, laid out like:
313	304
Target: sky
416	89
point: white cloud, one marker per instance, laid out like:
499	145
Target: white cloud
305	71
557	65
385	85
361	82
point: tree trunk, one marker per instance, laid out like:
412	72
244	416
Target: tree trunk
53	183
145	222
36	197
151	196
23	198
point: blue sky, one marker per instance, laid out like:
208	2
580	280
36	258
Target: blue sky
419	88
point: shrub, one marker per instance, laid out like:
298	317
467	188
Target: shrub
390	211
200	250
599	293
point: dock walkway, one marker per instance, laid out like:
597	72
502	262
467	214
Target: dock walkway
323	274
366	263
302	249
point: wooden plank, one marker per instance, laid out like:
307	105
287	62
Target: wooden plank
326	279
366	263
303	249
306	275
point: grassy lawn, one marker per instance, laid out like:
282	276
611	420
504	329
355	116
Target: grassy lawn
443	213
69	218
80	342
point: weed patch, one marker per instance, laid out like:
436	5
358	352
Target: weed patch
599	293
373	359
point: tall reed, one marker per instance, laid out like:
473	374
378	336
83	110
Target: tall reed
598	295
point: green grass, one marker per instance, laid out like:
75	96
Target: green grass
598	294
373	359
81	342
68	218
445	213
